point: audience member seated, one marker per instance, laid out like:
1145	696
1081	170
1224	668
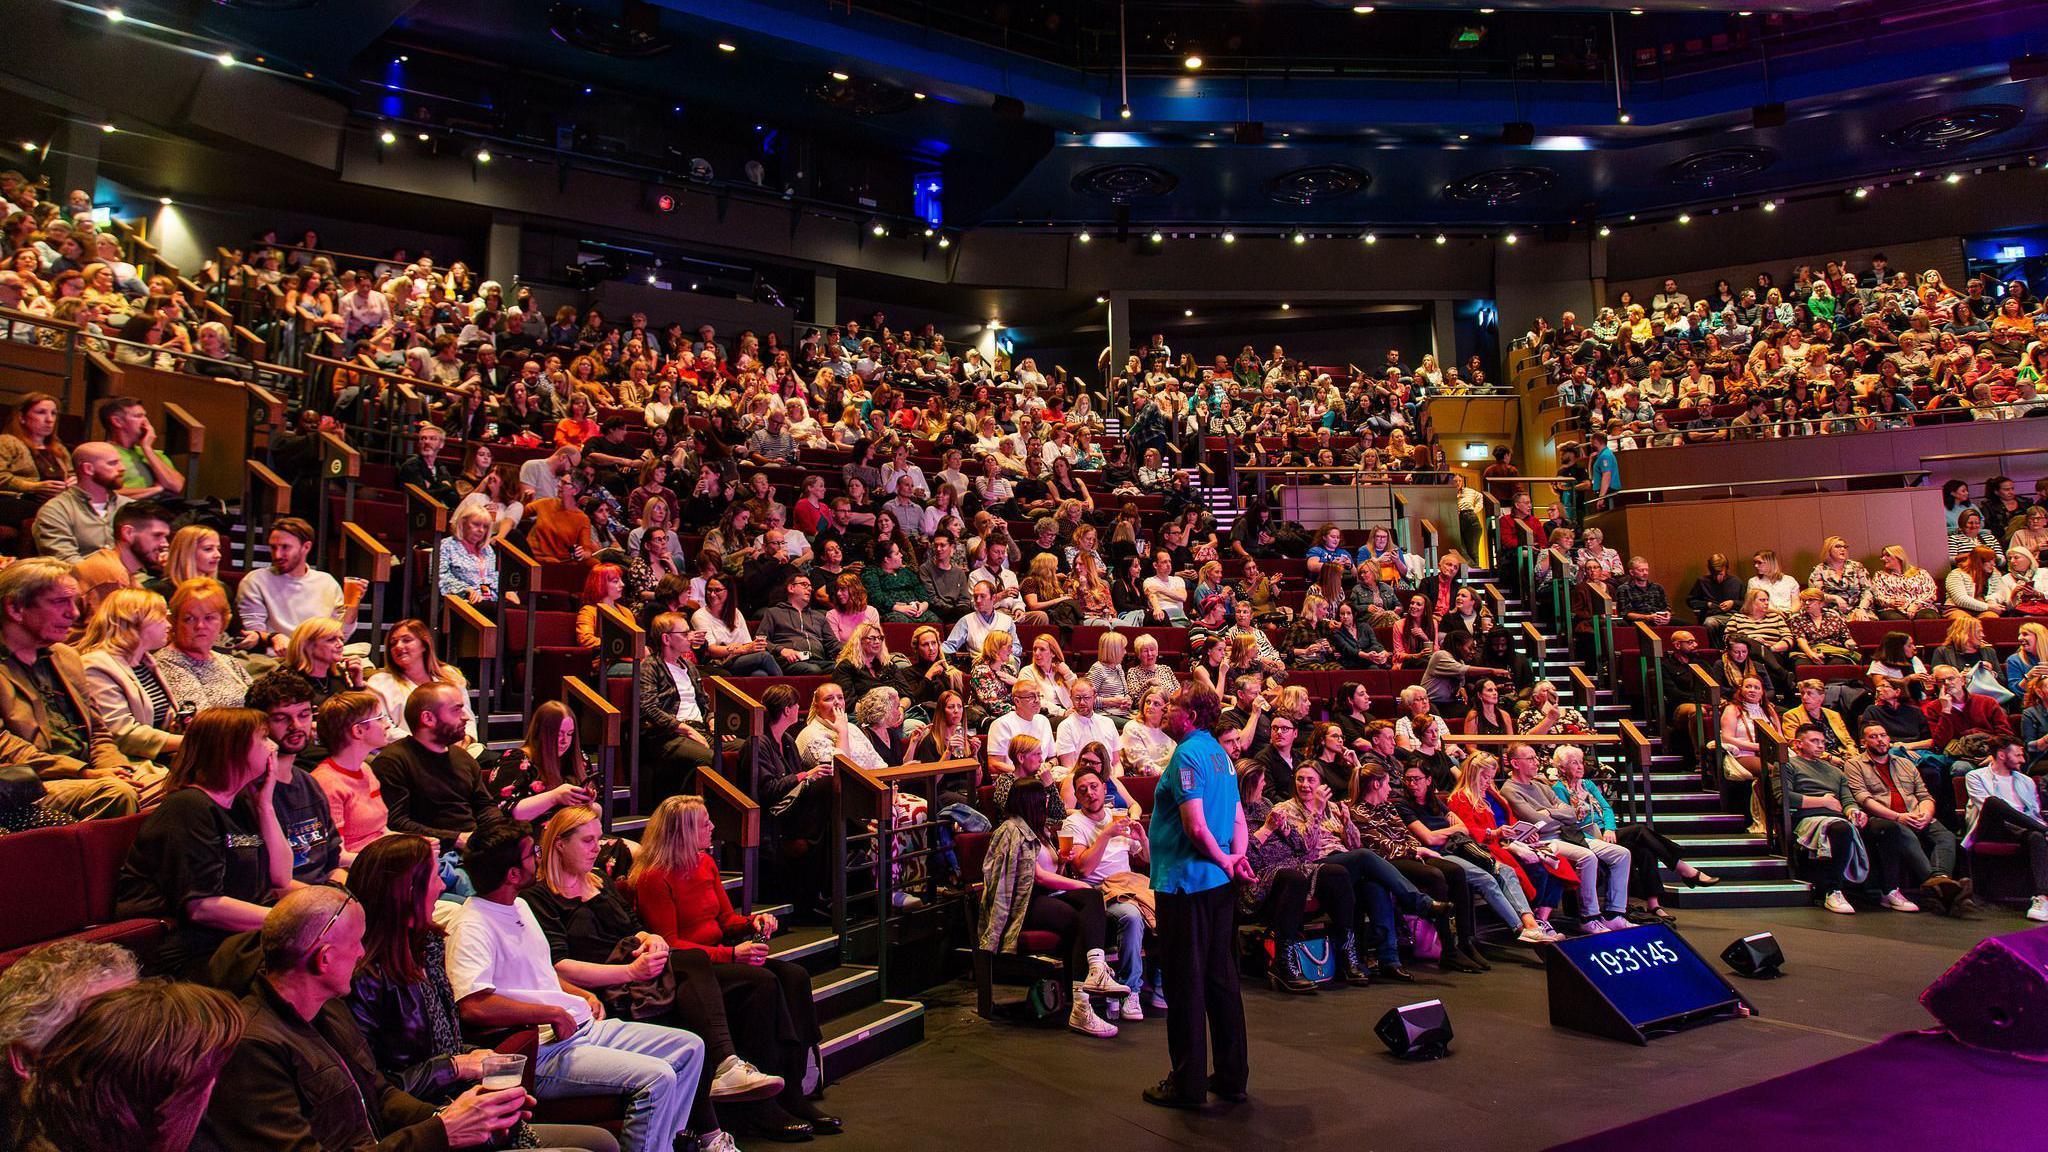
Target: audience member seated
1101	844
275	600
1485	814
134	1069
2005	806
142	536
682	899
1431	824
409	662
502	976
1833	828
431	784
79	520
128	691
1649	850
1602	866
1023	888
1716	596
193	670
34	463
1890	791
468	561
674	709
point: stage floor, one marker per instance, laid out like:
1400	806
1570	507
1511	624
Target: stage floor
1320	1080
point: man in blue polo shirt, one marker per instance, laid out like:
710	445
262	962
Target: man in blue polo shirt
1198	844
1606	469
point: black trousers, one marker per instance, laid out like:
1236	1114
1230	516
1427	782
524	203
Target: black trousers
700	1008
1881	844
672	761
1076	916
1286	903
1997	820
1441	880
773	1019
1204	1012
1647	849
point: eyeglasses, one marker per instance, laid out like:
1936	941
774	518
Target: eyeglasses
347	898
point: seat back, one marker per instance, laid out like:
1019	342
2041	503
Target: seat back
971	850
103	847
49	896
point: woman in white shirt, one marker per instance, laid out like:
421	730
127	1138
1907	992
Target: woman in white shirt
727	638
2022	571
657	410
409	662
831	733
1146	746
1048	669
1166	592
1782	588
900	467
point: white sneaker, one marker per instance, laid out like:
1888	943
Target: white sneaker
1593	927
1553	933
1155	999
1112	1008
1617	922
739	1081
1133	1010
1836	902
2038	910
1897	902
1536	936
719	1141
1102	982
1082	1018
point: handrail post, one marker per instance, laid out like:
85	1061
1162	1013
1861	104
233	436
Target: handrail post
473	635
265	497
364	558
621	641
424	515
338	461
597	718
519	574
1650	654
736	820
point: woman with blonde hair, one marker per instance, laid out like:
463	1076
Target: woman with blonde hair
829	731
989	682
196	552
1902	590
1844	582
122	677
191	669
315	649
683	900
1146	746
1048	669
1106	676
595	942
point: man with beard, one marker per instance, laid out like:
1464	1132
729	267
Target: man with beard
285	697
1198	842
432	785
141	540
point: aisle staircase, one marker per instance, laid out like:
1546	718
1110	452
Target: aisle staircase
1711	837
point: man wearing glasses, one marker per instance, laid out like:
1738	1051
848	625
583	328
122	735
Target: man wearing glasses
798	634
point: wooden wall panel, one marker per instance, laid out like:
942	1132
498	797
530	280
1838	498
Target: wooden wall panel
1841	455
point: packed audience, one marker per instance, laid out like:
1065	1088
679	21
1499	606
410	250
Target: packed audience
910	554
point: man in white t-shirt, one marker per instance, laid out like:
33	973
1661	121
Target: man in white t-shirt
1084	726
1107	848
1027	720
499	967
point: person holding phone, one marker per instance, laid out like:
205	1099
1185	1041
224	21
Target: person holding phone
547	772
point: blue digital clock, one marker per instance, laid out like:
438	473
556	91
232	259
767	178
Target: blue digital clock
1629	983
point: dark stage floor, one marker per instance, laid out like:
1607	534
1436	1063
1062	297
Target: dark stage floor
1320	1080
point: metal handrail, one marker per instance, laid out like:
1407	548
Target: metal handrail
1913	476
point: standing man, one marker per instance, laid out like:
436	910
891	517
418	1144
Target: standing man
1198	843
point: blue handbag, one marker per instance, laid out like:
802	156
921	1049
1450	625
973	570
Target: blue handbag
1316	959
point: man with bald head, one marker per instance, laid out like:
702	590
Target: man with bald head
80	520
280	1088
432	786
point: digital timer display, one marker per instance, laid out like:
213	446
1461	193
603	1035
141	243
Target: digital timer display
1627	982
1633	957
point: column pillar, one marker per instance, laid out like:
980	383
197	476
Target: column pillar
501	253
825	298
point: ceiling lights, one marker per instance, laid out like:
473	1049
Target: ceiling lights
1084	237
1362	9
1300	239
483	155
727	46
1372	238
1193	63
1229	237
387	137
1158	237
1442	239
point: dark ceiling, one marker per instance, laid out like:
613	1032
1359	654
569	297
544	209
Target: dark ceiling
1303	114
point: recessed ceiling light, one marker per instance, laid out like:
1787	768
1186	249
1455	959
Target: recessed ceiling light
917	95
1631	217
1685	218
107	128
1486	11
1362	9
1863	193
1954	178
1229	237
945	241
1606	231
1187	311
1371	238
1442	239
387	136
1745	12
115	15
839	76
1635	11
164	200
1464	135
693	285
1193	62
1084	237
424	137
653	279
1158	238
1286	307
1511	238
879	228
483	155
1770	205
226	59
727	46
1300	239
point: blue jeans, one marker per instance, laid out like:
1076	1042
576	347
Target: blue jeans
656	1068
1127	928
1502	893
754	664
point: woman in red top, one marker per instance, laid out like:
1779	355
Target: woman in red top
683	900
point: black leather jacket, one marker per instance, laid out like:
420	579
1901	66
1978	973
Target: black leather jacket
396	1019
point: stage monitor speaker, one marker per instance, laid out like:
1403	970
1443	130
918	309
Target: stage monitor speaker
1767	115
1633	983
1420	1031
1996	996
1518	133
1756	956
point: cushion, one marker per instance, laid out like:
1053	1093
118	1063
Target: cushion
103	846
47	895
